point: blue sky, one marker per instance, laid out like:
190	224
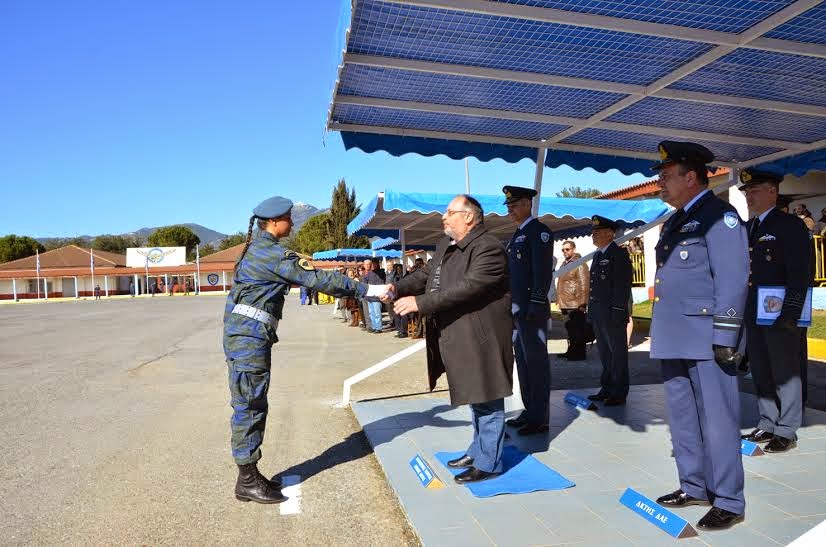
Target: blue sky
116	115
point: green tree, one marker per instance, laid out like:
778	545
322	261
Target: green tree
14	247
289	243
314	235
175	236
232	240
207	250
343	209
577	192
114	244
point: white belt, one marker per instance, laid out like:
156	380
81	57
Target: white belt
255	313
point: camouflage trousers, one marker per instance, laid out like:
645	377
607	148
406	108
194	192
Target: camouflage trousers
249	381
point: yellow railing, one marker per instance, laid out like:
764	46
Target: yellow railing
820	260
638	263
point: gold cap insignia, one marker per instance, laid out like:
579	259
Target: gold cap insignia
663	153
745	176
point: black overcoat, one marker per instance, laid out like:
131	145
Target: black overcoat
469	323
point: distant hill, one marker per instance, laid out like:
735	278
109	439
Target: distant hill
301	213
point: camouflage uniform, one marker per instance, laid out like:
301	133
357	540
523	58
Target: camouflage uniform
261	281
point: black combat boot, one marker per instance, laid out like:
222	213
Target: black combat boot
253	486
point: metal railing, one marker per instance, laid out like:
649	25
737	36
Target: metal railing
820	260
638	263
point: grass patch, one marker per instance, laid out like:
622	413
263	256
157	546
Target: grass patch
817	330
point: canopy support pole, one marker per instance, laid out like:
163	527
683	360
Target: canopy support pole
14	288
537	180
467	176
403	248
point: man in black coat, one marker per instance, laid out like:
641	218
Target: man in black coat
780	251
611	278
464	293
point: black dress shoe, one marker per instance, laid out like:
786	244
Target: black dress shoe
758	436
719	519
597	397
780	444
459	463
519	421
610	401
678	498
474	475
533	429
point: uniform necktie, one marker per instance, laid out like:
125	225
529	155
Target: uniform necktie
754	227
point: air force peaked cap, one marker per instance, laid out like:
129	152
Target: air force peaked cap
754	176
682	152
273	207
515	193
598	222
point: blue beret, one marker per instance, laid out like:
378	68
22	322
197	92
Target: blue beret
273	207
515	193
682	152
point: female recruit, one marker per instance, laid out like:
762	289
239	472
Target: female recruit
264	274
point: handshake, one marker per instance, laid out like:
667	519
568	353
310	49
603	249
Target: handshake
387	293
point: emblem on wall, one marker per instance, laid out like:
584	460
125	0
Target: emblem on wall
212	279
155	255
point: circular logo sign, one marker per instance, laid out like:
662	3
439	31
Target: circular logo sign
212	279
155	256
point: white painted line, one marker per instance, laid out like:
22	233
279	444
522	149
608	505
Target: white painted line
813	538
292	489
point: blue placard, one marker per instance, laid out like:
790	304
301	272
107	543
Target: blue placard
424	473
657	515
748	448
579	401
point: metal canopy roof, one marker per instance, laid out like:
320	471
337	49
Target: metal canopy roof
596	82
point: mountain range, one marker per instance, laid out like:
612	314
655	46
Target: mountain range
301	213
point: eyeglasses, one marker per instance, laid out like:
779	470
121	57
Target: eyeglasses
567	249
450	212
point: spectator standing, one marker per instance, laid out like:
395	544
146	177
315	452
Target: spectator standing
572	298
372	277
805	215
97	292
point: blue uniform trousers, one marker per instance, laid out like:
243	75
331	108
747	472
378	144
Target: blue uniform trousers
249	382
613	353
488	435
530	345
704	406
776	367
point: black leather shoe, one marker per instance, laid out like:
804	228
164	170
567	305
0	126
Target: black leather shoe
678	498
577	357
780	444
519	421
459	463
253	486
532	429
758	436
597	397
719	519
610	401
474	475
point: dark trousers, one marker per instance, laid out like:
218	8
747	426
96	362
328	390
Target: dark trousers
613	353
488	435
400	322
804	366
704	406
530	345
249	382
575	326
775	361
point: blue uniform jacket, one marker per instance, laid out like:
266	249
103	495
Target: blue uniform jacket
780	251
263	278
530	259
701	282
611	278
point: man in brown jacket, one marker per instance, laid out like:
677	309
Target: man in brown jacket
464	293
572	298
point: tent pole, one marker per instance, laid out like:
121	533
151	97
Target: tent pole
537	180
401	243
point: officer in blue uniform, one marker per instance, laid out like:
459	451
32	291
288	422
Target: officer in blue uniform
780	248
264	274
530	258
697	319
611	278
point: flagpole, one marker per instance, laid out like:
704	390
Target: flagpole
146	268
198	269
37	268
92	266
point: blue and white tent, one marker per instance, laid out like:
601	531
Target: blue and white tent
419	216
593	83
354	254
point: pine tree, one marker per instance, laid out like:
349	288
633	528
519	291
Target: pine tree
343	209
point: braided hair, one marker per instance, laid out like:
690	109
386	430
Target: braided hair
246	243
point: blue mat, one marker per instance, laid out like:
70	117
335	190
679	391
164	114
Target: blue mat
523	473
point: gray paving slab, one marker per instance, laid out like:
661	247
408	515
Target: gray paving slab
604	452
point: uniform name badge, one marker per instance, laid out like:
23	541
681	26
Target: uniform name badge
770	304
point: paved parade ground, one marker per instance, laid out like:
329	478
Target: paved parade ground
115	421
